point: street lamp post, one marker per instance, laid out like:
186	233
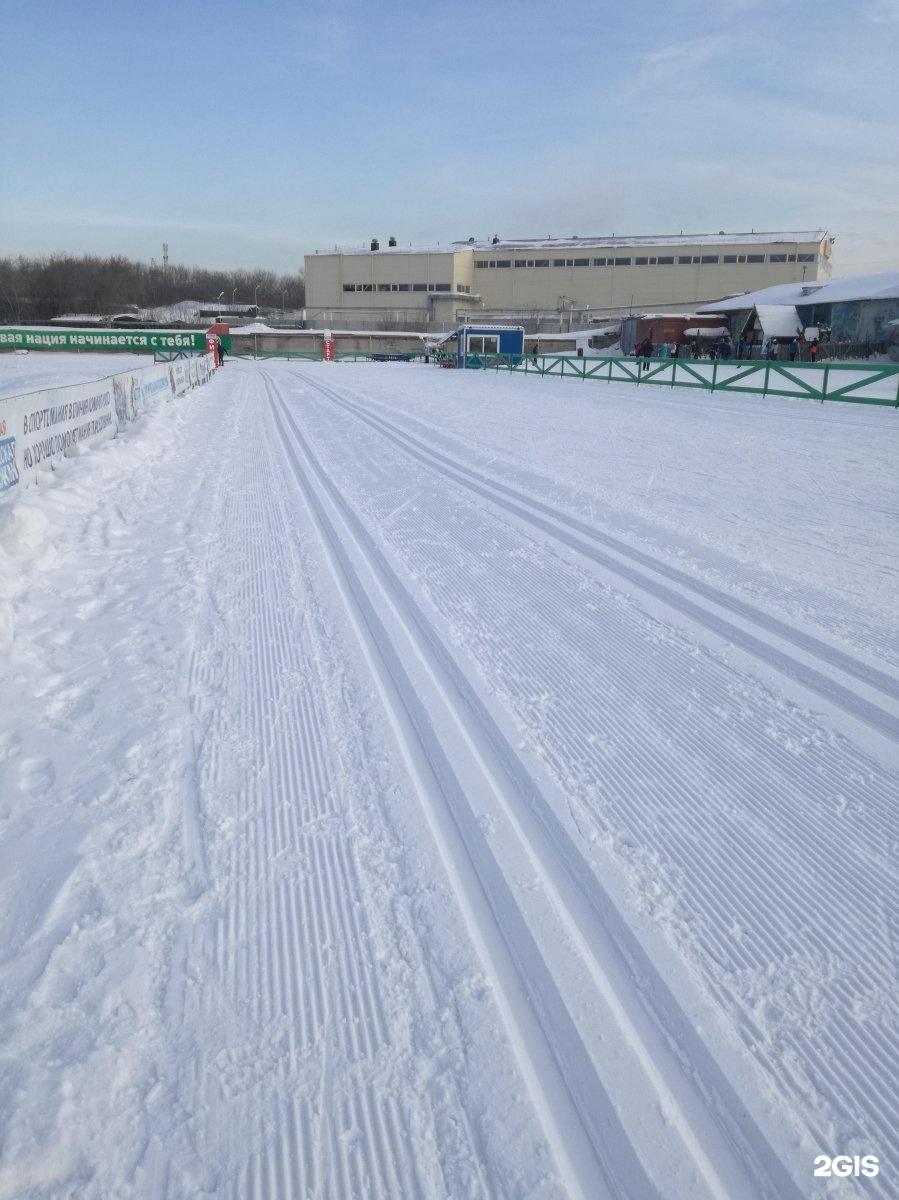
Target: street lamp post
233	294
255	300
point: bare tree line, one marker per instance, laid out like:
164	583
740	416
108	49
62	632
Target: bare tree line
38	289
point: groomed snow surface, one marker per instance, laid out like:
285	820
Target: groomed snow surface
421	783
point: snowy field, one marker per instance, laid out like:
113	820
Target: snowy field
421	783
33	372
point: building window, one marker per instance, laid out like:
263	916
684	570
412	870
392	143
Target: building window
741	258
622	262
349	287
483	344
368	287
667	261
729	258
710	258
520	262
419	287
600	262
791	258
582	262
558	262
541	262
383	287
402	287
503	262
777	258
641	262
684	260
755	258
442	287
481	262
805	258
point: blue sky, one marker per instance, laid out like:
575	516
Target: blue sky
249	134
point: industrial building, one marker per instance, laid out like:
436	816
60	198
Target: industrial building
551	283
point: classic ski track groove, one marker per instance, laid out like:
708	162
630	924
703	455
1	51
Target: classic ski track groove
655	577
648	1017
830	1069
254	948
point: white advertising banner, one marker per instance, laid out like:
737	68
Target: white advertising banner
42	427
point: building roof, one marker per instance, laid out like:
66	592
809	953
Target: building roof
778	320
646	239
883	286
753	237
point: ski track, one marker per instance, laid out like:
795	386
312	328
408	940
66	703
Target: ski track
399	831
767	946
308	1054
609	964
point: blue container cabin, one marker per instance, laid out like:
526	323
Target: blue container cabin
484	345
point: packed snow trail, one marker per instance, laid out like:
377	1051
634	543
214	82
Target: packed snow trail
383	826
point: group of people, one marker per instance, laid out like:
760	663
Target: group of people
724	349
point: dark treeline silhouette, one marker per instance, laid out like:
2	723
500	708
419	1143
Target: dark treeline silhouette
38	289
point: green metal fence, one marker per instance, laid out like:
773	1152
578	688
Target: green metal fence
308	355
856	382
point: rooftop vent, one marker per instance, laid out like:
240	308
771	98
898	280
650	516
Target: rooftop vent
391	241
375	244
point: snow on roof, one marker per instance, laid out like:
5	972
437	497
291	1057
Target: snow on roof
883	286
254	327
778	320
505	245
646	239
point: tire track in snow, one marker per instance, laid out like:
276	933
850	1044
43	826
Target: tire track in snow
731	1158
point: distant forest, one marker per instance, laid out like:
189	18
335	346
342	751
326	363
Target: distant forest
38	289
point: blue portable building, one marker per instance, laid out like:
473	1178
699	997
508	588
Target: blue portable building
481	345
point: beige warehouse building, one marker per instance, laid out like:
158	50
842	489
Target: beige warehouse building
572	280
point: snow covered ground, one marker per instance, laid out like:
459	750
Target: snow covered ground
33	372
421	783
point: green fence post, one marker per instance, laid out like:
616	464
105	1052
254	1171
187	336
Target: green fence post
824	389
714	373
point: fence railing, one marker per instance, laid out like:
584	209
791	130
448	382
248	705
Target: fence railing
856	382
308	355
